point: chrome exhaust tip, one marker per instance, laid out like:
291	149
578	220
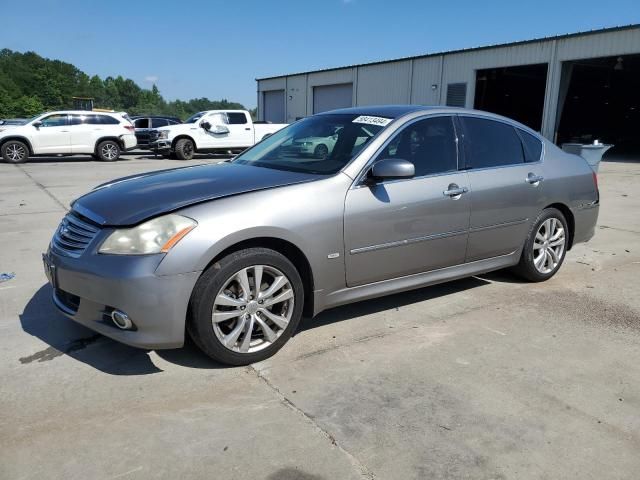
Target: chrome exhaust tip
121	320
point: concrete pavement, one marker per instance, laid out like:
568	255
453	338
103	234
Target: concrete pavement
482	378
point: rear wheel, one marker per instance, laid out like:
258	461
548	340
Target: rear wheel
545	248
184	149
321	151
108	151
245	307
15	151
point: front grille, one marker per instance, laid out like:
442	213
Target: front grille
74	235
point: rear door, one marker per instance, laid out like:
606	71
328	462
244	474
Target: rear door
400	227
240	130
507	192
53	135
142	126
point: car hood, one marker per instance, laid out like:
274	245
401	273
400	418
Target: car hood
130	200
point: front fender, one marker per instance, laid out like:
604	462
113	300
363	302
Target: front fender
308	215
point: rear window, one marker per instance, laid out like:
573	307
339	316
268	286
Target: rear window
532	147
236	118
489	143
141	123
159	122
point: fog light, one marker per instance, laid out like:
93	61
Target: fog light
121	320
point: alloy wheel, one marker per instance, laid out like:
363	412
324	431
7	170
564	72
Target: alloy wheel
16	152
252	309
548	245
109	151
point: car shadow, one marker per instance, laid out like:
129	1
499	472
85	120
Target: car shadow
397	300
66	337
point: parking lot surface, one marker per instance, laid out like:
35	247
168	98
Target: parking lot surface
482	378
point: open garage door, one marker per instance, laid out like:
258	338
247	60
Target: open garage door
600	100
515	92
274	106
330	97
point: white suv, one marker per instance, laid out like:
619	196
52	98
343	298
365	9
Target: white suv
102	135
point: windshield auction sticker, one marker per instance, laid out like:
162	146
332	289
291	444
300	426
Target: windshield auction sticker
381	121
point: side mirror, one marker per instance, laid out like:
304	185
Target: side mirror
206	126
392	168
37	124
220	129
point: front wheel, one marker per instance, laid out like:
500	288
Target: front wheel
545	248
184	149
108	151
245	307
15	151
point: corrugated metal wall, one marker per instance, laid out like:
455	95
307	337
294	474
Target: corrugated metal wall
424	80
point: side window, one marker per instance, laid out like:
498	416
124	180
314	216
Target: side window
237	118
141	123
489	143
76	119
532	146
216	119
107	120
56	120
159	122
173	122
429	144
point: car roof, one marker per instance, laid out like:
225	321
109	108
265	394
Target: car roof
154	116
397	111
82	112
388	111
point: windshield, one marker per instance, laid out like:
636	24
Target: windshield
322	144
195	117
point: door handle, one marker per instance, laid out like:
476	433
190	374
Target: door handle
247	128
454	190
533	179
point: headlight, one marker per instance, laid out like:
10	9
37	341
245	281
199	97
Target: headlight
163	133
155	236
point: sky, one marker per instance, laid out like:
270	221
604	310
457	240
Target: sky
216	49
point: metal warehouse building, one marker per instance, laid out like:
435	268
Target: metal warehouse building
575	87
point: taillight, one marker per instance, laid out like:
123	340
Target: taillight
131	128
595	179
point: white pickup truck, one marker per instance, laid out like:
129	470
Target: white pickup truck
212	131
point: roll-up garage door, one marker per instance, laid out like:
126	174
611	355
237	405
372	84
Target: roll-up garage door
330	97
274	106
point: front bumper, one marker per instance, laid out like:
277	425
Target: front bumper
160	146
87	289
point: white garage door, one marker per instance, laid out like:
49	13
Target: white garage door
330	97
274	106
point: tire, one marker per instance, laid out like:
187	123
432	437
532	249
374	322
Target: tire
184	149
550	224
15	151
108	151
321	151
218	293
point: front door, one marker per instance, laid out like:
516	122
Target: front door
53	135
401	227
508	193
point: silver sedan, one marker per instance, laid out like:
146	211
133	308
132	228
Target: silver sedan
235	254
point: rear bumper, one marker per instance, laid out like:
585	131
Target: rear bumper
89	288
129	142
586	218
